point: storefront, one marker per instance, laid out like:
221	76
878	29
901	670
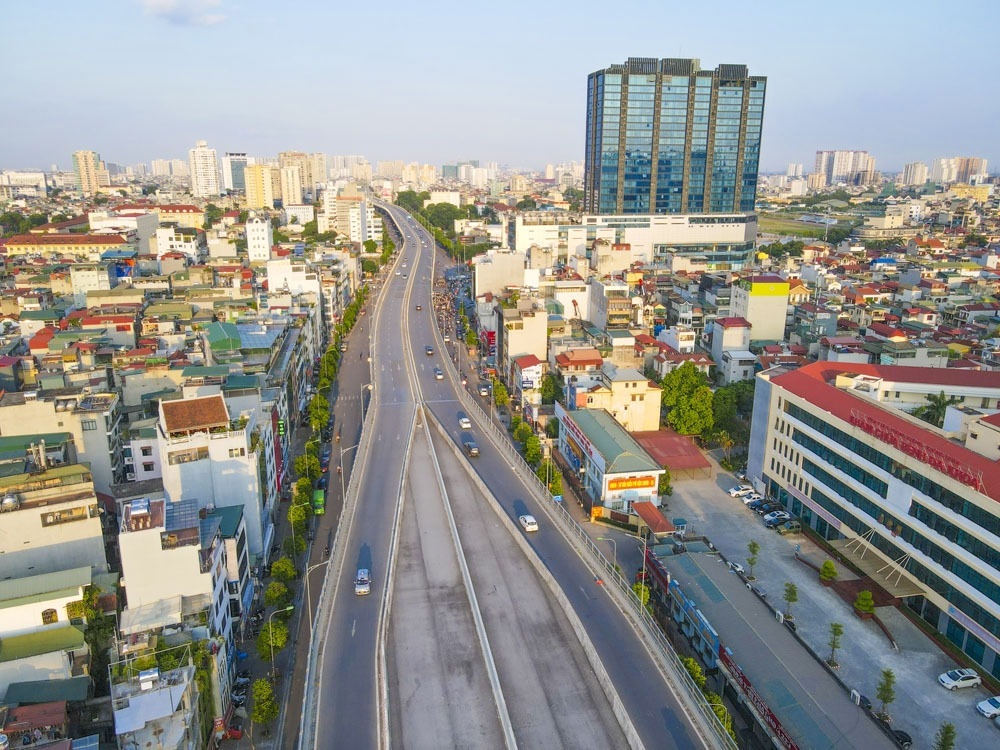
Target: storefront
613	468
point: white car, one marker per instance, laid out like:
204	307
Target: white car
465	423
528	522
740	490
960	678
397	273
775	517
751	497
363	583
438	373
989	707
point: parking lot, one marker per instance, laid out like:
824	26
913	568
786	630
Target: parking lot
921	704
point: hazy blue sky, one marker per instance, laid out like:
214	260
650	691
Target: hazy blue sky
497	81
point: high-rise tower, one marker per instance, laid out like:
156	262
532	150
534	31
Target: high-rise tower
204	171
665	137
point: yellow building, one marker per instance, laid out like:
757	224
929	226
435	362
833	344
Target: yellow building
975	192
91	174
259	186
763	302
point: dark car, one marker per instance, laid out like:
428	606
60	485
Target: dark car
428	350
904	740
756	504
323	482
766	507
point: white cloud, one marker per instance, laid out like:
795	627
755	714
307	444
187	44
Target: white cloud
185	12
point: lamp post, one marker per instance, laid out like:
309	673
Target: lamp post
309	570
270	633
364	387
614	542
343	489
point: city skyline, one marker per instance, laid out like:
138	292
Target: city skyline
411	95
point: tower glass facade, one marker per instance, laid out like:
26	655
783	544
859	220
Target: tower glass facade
665	137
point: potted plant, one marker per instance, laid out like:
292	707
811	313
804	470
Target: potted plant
828	573
864	605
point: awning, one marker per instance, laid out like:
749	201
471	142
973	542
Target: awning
652	517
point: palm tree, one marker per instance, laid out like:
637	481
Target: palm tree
935	408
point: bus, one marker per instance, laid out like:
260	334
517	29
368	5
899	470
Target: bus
319	502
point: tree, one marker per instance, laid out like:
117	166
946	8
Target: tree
319	411
277	595
936	408
790	596
885	691
549	388
828	571
552	428
265	707
470	339
526	204
945	737
836	631
273	635
692	415
695	671
547	471
724	407
522	431
532	450
663	486
753	548
724	441
307	465
681	383
283	569
293	545
642	591
864	602
500	397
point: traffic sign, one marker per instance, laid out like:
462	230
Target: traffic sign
557	498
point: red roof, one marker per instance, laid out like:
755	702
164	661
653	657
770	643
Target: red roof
653	518
178	208
47	240
528	360
733	322
813	383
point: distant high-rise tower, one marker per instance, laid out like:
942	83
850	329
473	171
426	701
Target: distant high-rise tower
915	173
204	171
259	186
233	167
91	174
851	167
665	137
794	170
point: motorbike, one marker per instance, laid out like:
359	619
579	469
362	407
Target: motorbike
326	551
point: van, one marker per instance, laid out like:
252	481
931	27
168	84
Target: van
790	527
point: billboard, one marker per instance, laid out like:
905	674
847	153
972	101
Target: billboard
631	483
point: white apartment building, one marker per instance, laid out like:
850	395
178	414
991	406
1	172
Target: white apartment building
260	239
293	275
86	277
204	171
291	185
851	167
189	242
364	223
158	710
495	270
209	458
915	173
142	453
141	226
524	331
93	419
611	304
34	603
763	301
680	338
731	349
233	167
300	214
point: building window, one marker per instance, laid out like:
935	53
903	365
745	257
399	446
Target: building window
49	616
237	452
147	450
88	424
148	466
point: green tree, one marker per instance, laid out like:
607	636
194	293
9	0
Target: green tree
641	590
319	411
885	691
552	428
526	204
828	571
470	339
548	471
307	465
549	388
303	491
370	246
663	486
283	569
936	408
443	216
724	408
945	737
724	441
500	397
864	602
681	383
293	545
522	431
532	450
692	415
265	707
836	631
695	671
753	549
790	596
277	595
274	635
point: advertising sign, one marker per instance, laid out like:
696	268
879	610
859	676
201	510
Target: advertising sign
631	483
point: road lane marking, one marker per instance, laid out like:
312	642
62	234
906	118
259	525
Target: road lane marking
354	625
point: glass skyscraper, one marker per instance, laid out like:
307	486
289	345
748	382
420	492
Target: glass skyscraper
664	137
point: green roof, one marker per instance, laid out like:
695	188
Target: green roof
49	314
65	638
23	442
56	472
241	382
72	689
205	371
223	336
229	519
620	450
16	592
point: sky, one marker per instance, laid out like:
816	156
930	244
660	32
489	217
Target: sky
438	82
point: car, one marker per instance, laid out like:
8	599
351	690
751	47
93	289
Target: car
789	527
960	678
528	522
990	708
438	373
471	448
754	504
397	273
465	423
405	276
323	482
768	506
420	307
736	567
741	475
429	351
363	582
235	729
740	490
776	518
751	498
904	740
447	338
484	390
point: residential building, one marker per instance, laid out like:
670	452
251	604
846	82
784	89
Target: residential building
915	173
39	602
260	239
157	710
763	302
90	172
142	454
204	171
85	247
233	166
731	349
850	167
958	169
611	304
495	270
86	277
524	331
305	177
291	184
259	186
190	243
93	419
697	154
627	395
915	507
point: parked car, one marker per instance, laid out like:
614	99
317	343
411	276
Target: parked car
904	740
235	729
789	527
960	678
755	504
528	522
740	490
990	708
776	517
768	506
751	498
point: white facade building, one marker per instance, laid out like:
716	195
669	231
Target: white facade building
260	238
915	173
204	171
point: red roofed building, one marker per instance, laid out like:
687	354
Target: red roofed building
915	507
78	246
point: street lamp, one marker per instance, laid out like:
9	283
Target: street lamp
365	386
614	542
343	490
270	633
309	570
